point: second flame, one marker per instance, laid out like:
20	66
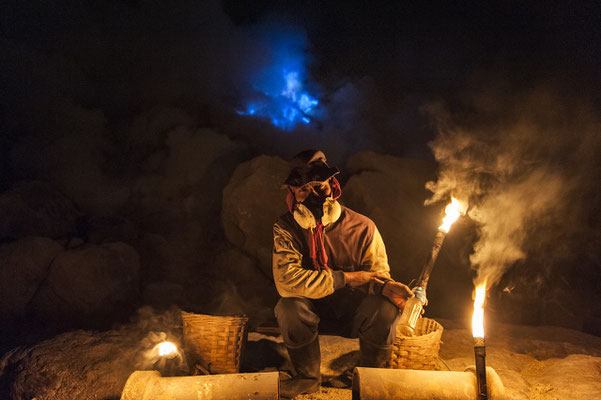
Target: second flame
478	316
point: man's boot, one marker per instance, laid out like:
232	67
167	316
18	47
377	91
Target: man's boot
373	355
306	361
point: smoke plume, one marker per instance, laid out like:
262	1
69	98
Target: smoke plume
526	164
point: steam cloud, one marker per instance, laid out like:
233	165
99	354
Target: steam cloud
526	164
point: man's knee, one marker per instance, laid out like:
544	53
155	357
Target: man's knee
296	319
289	309
388	313
379	318
381	309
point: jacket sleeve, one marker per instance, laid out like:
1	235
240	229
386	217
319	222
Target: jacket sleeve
291	279
375	260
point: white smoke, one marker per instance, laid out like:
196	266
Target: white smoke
524	163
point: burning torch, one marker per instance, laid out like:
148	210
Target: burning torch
414	306
479	347
409	384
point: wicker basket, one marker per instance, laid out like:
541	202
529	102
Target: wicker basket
419	351
215	343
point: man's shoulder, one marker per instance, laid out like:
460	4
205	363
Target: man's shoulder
357	218
285	221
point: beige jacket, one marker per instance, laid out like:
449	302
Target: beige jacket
351	240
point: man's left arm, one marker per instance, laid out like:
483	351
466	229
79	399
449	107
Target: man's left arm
376	258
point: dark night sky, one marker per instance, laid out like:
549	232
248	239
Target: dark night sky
437	45
123	57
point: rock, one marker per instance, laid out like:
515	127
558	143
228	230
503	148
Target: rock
182	190
391	191
252	201
36	209
86	365
163	294
235	266
177	197
173	258
75	365
90	281
103	229
149	128
74	242
24	264
243	275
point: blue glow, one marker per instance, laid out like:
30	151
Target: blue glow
280	94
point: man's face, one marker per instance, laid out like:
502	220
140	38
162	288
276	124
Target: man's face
318	188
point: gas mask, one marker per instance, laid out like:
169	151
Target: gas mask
315	203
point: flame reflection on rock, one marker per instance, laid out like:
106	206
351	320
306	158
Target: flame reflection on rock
167	349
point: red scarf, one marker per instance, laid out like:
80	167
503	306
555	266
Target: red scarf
317	249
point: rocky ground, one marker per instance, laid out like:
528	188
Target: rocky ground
542	363
539	363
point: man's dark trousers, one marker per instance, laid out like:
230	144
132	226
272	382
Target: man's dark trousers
348	312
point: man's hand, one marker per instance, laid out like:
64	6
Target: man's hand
397	292
360	278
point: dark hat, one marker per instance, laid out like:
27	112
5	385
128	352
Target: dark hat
309	166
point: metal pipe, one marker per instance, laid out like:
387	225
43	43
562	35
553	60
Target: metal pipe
409	384
429	265
413	307
149	385
480	356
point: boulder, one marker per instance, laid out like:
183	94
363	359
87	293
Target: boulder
252	201
163	294
182	188
90	281
240	269
245	280
75	365
173	258
36	209
148	129
177	198
391	191
103	229
87	365
24	264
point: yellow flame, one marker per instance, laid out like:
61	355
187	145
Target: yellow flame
452	211
478	316
167	348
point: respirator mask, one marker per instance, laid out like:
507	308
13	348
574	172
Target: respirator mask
316	199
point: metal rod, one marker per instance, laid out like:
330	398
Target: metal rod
480	354
413	307
429	265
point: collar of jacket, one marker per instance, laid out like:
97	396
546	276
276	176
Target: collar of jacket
305	218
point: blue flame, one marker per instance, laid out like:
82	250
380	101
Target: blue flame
281	97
